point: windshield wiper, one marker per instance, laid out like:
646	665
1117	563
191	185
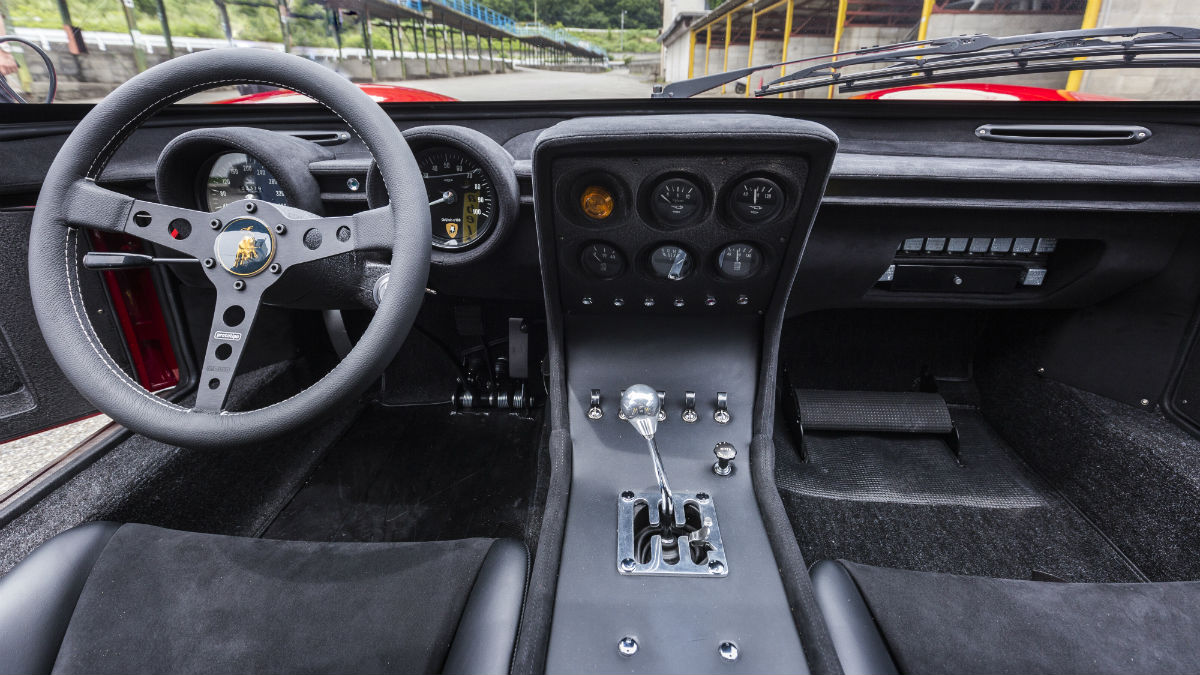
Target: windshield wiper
970	56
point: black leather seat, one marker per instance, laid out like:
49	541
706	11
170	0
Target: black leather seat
887	621
111	598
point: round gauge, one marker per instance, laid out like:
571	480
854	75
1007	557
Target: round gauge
755	201
739	261
235	176
675	201
670	262
462	197
602	261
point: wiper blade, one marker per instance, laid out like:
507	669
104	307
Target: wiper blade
937	60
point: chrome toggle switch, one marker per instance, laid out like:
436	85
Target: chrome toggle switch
662	406
689	414
595	412
721	414
725	453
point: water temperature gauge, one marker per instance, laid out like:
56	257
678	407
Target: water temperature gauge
739	261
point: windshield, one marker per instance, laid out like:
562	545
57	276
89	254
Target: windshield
468	50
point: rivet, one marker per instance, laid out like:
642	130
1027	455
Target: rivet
250	207
209	262
274	268
214	224
627	646
728	651
281	229
239	285
1145	402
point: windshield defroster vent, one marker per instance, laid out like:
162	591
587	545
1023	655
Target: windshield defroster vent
1064	134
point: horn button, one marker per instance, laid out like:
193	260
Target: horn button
245	246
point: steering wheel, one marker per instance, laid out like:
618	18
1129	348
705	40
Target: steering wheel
245	248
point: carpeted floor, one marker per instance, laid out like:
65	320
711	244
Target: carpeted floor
420	473
903	501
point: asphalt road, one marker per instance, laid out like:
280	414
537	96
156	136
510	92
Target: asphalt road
527	84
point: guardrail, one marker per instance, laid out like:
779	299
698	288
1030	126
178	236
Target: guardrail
480	13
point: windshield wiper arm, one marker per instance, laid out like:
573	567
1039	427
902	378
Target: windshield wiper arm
917	60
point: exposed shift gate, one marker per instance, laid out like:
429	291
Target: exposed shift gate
664	533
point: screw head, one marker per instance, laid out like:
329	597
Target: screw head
595	413
281	229
627	646
250	207
274	268
627	495
1144	402
587	300
716	567
209	262
1041	371
628	564
690	415
728	651
679	302
215	224
721	417
239	285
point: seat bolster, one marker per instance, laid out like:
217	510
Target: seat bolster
38	596
860	648
487	630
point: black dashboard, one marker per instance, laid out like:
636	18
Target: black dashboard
700	229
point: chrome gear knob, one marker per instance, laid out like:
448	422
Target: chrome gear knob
640	405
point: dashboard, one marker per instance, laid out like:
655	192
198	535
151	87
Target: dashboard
681	225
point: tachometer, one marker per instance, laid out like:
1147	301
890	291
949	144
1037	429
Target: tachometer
462	197
235	176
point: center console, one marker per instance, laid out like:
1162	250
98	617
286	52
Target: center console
668	244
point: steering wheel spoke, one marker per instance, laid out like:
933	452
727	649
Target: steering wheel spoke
233	319
97	208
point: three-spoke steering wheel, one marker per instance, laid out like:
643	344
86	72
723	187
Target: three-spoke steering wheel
245	248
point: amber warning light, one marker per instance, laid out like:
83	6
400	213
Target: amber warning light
596	202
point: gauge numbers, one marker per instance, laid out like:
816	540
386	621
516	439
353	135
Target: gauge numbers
671	262
739	261
462	197
235	176
676	201
755	201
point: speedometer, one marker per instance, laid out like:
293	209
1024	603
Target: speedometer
462	197
235	176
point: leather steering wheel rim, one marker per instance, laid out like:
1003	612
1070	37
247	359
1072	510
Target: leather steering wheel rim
71	200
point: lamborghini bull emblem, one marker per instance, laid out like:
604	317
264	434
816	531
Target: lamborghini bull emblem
245	247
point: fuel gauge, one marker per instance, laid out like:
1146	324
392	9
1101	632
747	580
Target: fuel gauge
670	262
602	261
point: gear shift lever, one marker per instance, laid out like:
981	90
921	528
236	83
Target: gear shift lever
640	405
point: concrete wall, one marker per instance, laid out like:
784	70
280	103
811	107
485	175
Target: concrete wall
1151	84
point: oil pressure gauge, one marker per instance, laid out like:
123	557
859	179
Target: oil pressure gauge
755	201
670	262
676	201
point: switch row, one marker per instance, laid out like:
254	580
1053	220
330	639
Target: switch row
720	413
980	245
651	301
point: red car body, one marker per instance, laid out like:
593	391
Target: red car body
382	93
967	91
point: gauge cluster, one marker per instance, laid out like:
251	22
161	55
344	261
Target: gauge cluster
686	233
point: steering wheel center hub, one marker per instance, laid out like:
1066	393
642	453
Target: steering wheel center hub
245	246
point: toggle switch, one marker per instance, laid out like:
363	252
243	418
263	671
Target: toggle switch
595	412
721	414
689	414
662	406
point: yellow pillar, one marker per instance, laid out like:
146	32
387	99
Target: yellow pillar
926	12
787	36
1091	17
725	56
843	5
691	54
750	57
707	46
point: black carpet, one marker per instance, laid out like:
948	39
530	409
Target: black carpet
1134	473
903	502
421	474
